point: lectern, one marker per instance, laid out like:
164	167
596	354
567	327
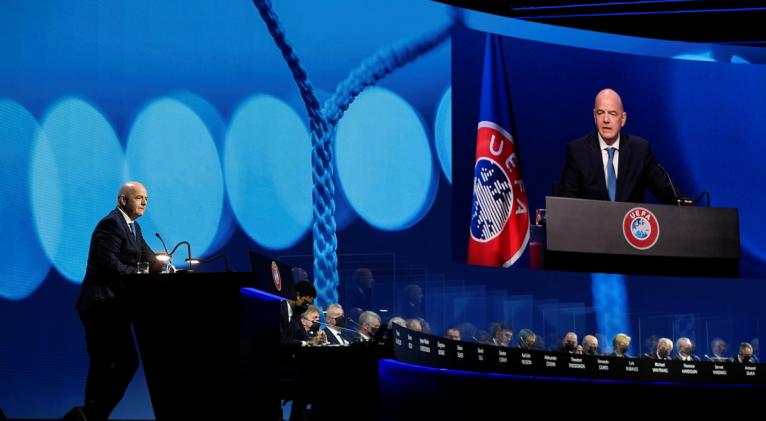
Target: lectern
187	330
632	238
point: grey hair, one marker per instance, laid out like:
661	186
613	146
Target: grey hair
311	309
664	340
681	340
368	317
332	306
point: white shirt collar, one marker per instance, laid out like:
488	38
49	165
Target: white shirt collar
125	215
602	145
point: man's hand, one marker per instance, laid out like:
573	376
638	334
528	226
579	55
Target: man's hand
318	339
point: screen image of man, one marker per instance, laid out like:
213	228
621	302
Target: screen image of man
117	246
609	164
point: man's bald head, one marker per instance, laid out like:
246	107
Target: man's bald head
609	115
132	199
610	95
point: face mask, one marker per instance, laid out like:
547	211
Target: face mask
314	328
745	359
373	330
340	321
301	308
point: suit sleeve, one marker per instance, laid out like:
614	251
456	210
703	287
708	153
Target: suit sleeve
107	243
571	176
286	339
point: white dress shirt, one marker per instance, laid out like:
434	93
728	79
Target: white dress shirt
605	155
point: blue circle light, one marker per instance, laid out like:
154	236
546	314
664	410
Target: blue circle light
76	171
384	161
267	161
24	264
443	133
172	151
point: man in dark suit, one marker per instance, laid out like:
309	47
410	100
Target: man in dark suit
610	165
116	247
685	349
664	347
290	329
336	331
294	335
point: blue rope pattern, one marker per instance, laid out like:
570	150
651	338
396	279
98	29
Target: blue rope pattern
323	123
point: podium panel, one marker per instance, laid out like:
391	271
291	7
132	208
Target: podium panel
619	237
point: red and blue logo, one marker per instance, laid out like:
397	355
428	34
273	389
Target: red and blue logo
276	276
641	228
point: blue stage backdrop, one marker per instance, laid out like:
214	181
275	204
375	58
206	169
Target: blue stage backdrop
194	99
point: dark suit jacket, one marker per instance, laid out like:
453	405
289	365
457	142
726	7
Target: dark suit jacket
113	251
291	332
583	173
694	358
351	338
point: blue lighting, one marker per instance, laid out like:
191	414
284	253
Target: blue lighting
542	32
610	303
172	151
705	56
443	134
263	295
76	172
267	162
387	366
722	109
23	264
384	160
656	12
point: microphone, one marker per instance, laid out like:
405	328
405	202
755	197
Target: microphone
163	242
355	333
680	201
354	322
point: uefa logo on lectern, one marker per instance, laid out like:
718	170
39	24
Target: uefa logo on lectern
640	228
276	276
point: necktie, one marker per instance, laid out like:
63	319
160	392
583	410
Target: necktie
132	230
611	177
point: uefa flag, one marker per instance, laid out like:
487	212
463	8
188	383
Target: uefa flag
499	214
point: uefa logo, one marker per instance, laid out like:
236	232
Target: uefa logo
276	276
492	200
640	228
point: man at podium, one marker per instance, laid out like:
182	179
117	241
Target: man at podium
610	165
117	246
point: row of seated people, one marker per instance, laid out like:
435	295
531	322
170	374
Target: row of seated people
501	335
309	330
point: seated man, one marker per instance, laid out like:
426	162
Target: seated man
664	347
590	345
311	326
290	329
369	323
453	334
621	342
336	331
745	354
718	350
684	347
569	343
501	335
527	339
610	165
